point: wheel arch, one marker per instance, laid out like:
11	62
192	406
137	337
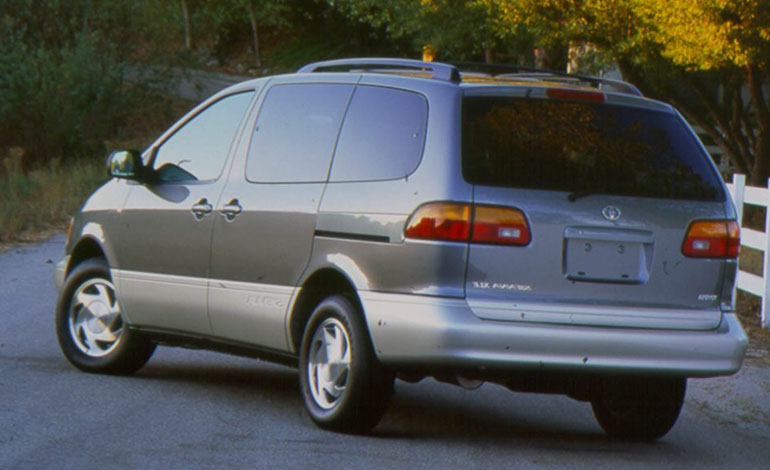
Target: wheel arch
319	285
86	248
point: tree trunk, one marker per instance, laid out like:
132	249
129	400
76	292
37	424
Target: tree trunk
254	35
187	25
489	55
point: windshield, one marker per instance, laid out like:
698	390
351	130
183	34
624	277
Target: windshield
583	148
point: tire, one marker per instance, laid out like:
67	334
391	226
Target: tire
91	327
641	409
343	386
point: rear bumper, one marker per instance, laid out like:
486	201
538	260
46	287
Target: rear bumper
430	332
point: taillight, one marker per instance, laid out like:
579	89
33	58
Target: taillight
453	221
500	225
449	221
712	239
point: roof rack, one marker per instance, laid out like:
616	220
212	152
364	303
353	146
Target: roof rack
520	71
440	71
452	72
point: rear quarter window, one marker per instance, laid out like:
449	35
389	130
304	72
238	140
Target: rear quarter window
382	137
583	147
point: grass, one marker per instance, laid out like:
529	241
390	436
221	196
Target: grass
35	204
748	307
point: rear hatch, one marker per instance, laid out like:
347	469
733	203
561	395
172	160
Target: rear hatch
609	186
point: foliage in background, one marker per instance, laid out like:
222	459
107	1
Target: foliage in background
708	57
269	36
42	200
35	202
460	30
227	17
64	66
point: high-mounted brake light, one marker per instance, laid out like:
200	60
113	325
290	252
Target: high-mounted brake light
712	239
575	95
478	223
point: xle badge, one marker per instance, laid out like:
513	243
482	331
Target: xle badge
502	286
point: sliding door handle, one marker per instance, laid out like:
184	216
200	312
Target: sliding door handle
231	210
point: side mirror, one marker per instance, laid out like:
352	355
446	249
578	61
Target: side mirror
125	164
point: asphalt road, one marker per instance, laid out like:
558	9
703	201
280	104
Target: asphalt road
201	410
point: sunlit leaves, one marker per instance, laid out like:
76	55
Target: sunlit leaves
696	34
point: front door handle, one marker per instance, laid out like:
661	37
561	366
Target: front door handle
231	210
201	208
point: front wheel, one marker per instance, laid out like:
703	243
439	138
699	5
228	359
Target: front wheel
343	386
640	409
90	325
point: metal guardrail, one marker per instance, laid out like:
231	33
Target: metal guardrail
745	281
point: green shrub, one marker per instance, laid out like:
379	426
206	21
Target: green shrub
43	199
58	103
64	66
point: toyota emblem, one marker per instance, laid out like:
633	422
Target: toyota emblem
611	213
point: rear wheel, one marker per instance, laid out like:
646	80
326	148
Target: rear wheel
640	409
343	386
90	325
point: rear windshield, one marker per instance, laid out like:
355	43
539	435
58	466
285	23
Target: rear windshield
583	148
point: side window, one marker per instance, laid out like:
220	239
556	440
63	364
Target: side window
295	133
382	137
198	150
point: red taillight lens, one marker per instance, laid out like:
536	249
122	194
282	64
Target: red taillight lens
452	221
449	221
500	225
712	239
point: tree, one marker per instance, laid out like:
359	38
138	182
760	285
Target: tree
458	29
257	13
63	65
708	57
187	23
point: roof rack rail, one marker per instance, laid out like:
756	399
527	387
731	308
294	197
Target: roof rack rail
521	71
441	71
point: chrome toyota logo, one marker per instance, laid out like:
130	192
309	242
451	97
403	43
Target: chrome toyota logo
611	213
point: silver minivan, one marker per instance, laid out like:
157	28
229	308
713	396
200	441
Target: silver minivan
371	219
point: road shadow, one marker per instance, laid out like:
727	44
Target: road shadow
425	410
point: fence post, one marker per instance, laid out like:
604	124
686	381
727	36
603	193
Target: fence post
766	263
739	194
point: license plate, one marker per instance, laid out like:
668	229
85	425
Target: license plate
607	255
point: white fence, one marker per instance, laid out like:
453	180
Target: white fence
749	282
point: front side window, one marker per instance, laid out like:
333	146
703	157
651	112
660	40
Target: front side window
296	131
583	148
199	149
